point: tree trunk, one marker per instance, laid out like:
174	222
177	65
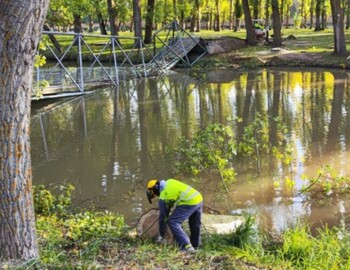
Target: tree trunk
277	36
175	10
318	16
113	17
347	14
101	23
238	14
19	40
217	16
338	28
149	21
311	11
324	16
231	16
91	24
267	20
303	14
137	22
77	23
195	24
53	39
250	33
281	12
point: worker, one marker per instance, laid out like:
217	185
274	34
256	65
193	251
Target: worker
186	203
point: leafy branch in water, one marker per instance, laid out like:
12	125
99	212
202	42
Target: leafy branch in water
328	182
212	150
259	142
216	150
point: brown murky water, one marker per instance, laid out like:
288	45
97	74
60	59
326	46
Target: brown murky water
109	143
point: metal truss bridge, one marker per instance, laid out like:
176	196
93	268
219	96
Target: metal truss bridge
83	62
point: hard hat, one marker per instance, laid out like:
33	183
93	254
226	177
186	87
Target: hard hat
151	183
152	189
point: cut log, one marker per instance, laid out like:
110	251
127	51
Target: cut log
147	226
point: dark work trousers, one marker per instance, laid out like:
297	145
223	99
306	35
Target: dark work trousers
194	215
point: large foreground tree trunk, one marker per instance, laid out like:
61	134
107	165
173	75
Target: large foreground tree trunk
338	28
21	22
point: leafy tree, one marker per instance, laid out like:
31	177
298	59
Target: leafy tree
19	40
58	15
98	9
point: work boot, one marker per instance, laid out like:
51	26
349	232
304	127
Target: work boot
188	249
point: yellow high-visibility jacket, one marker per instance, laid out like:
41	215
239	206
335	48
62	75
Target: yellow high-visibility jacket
177	193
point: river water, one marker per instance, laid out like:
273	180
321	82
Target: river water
108	144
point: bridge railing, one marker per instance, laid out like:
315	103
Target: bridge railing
80	60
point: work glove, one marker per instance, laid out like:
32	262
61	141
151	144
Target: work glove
160	240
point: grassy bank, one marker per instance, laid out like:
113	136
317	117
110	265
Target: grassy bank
301	48
71	239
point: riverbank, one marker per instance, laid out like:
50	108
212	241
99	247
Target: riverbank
266	56
300	48
277	57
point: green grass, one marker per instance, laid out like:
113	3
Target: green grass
294	249
71	239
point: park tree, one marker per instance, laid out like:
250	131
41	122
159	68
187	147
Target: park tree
150	7
238	14
195	16
338	27
250	33
318	13
113	17
136	4
58	15
21	23
276	24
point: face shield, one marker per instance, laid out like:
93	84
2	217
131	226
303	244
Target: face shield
150	195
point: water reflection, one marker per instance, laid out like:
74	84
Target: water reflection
108	144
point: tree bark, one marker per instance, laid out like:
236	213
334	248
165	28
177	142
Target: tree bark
217	16
21	22
149	21
251	37
338	28
77	23
113	17
101	23
53	39
276	18
137	22
347	14
231	16
318	16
